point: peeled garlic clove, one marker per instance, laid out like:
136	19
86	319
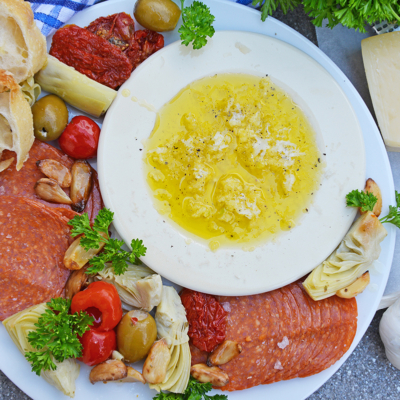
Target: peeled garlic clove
355	288
133	376
372	187
205	374
156	365
81	185
224	353
50	190
6	163
77	256
76	281
107	371
55	170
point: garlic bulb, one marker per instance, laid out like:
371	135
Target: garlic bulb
389	330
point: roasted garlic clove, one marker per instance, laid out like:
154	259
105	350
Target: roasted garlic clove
355	288
205	374
133	376
76	281
156	364
55	170
372	187
107	371
6	163
50	190
224	353
76	256
81	185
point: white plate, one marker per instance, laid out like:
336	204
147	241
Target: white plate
185	258
234	16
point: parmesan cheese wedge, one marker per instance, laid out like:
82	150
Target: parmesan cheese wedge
381	55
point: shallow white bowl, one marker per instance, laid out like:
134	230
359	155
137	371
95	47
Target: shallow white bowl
184	258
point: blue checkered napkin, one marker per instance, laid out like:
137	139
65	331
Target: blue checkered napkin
52	14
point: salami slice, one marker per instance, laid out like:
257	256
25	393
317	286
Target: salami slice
21	183
284	334
33	241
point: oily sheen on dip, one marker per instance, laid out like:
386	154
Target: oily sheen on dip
233	159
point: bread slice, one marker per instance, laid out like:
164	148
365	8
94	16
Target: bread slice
22	45
16	121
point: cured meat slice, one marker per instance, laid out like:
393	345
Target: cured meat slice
21	183
33	240
329	328
284	334
313	339
292	352
300	344
198	356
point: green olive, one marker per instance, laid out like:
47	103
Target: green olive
136	333
157	15
50	117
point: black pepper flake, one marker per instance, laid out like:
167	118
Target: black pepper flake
319	160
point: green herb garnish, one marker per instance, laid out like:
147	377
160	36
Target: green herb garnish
367	201
56	335
194	391
196	24
351	13
112	251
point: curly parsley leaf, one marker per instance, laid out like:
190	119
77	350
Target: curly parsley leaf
55	336
394	213
112	251
197	23
269	6
366	201
350	13
194	391
92	236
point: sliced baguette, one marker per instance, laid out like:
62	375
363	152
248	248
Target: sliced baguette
22	45
16	121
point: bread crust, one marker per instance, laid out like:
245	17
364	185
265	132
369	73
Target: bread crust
19	116
35	41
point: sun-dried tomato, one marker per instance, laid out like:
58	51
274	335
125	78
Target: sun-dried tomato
206	317
91	55
118	29
143	45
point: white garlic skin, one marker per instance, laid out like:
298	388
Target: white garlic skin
389	329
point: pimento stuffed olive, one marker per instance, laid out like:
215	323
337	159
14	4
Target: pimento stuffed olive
136	333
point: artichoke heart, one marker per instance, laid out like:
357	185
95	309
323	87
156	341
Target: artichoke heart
31	90
18	327
138	286
172	325
355	254
75	88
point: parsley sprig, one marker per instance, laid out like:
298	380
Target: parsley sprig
351	13
112	251
56	335
196	24
194	391
366	201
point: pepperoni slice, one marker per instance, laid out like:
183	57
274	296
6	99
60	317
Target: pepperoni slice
33	241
